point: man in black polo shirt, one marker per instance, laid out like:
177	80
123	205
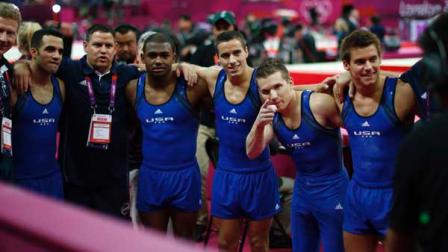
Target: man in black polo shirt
10	19
94	129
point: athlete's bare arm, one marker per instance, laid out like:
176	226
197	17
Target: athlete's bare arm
405	102
62	89
261	132
131	91
199	95
209	74
325	110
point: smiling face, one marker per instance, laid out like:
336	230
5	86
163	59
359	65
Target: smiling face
100	50
158	58
232	57
364	65
8	34
276	89
49	55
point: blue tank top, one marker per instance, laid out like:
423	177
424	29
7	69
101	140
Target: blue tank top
374	140
317	151
34	134
169	129
233	123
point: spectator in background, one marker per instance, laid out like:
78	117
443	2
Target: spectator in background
126	37
189	37
377	28
24	36
306	45
347	23
418	220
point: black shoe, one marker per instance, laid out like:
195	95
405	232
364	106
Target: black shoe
199	232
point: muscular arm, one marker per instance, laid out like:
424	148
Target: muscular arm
405	102
131	92
261	132
198	95
208	74
62	89
325	110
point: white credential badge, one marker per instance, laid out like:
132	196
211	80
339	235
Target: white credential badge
100	129
6	145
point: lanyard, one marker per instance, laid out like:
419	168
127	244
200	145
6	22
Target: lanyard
113	88
4	93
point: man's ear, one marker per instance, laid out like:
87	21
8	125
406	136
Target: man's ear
84	44
33	52
346	65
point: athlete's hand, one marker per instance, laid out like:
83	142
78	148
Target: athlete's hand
22	76
326	85
343	81
140	66
189	73
266	114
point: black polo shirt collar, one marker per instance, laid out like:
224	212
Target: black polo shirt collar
88	70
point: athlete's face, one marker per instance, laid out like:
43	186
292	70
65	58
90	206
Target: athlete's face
49	55
232	57
8	34
364	65
126	46
276	89
158	58
100	50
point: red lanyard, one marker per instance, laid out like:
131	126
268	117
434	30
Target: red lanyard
113	88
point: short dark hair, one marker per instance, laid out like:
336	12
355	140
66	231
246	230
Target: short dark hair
230	35
36	39
358	39
125	28
160	37
434	42
346	9
271	66
438	27
98	28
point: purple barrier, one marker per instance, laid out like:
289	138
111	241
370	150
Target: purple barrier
32	223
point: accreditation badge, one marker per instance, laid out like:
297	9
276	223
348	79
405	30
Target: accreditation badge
6	144
100	131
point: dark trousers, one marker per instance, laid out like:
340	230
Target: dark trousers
111	200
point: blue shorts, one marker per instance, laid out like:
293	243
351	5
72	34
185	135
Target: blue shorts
245	195
317	214
367	209
49	185
180	189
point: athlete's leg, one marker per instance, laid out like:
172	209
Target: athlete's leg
183	223
259	235
360	243
305	232
228	234
157	220
330	227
